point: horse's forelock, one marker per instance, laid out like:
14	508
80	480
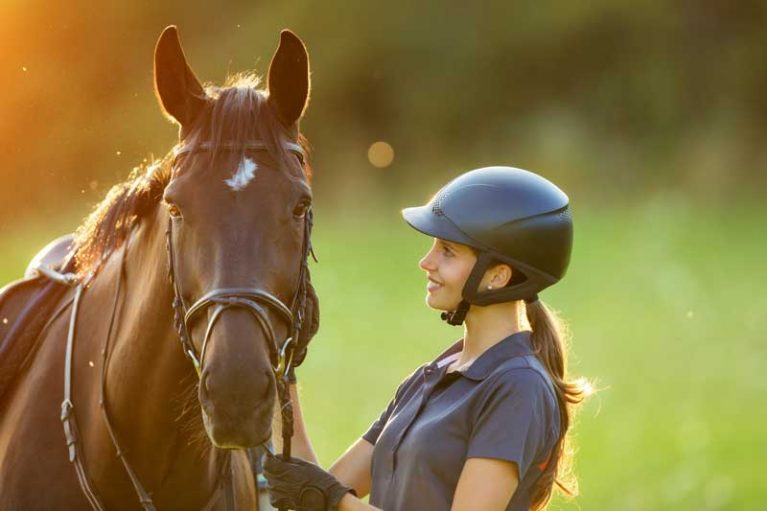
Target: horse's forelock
241	114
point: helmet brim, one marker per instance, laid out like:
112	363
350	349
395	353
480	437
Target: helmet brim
424	220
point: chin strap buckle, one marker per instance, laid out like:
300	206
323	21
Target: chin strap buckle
457	316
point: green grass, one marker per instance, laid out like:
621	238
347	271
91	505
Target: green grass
667	308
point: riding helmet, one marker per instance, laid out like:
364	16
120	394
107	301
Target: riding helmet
508	215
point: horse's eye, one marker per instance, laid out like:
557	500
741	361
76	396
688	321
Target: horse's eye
173	210
300	210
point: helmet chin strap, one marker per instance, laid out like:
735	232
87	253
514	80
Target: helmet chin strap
470	288
471	294
457	316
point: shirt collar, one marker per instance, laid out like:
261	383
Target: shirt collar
515	345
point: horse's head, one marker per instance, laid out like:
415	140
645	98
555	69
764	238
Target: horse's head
237	206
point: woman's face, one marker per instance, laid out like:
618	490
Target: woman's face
447	265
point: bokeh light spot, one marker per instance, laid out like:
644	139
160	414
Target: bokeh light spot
380	154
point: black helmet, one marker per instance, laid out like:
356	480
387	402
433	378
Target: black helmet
509	215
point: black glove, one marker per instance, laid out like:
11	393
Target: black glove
300	485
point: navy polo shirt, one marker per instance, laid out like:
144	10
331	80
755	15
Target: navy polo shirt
502	406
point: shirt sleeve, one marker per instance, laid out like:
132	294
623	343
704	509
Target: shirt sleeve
375	429
515	421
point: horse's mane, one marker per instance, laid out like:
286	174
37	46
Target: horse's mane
239	114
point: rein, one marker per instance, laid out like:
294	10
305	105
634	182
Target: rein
69	419
255	300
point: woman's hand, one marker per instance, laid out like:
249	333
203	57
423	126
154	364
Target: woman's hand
300	485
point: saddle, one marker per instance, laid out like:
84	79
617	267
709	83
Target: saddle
26	306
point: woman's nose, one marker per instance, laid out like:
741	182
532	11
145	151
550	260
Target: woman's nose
426	263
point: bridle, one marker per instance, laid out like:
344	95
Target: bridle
254	300
257	301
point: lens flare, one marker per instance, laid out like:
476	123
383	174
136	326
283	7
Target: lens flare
380	154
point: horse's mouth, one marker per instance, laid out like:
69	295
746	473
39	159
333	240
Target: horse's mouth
239	433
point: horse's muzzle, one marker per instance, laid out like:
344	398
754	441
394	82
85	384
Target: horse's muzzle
237	414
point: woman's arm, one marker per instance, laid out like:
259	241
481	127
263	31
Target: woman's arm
353	467
352	503
289	480
486	484
301	445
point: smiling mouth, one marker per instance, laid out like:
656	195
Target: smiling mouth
433	285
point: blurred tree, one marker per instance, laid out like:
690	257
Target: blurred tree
614	96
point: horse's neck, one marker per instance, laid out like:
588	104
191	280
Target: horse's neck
151	387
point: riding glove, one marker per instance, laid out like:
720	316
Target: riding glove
300	485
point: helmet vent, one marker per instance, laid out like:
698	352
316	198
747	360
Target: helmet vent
436	206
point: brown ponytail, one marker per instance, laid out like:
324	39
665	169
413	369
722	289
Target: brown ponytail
550	339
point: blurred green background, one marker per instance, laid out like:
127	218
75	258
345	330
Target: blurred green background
651	115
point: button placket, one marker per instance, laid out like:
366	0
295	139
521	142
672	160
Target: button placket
431	377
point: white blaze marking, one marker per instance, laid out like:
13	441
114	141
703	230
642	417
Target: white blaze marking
245	172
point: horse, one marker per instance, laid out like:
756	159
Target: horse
207	246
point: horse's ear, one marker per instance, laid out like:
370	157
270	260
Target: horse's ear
289	78
178	89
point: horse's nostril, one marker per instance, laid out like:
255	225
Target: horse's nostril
269	388
204	390
257	386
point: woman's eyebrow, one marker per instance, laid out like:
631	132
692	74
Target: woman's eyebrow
448	244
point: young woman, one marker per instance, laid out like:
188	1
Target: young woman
484	425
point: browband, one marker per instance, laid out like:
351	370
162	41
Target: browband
257	146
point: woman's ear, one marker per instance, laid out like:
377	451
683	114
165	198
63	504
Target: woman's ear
500	276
